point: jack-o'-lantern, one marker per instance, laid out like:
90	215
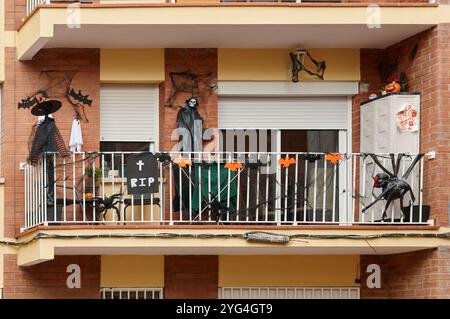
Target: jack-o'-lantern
393	87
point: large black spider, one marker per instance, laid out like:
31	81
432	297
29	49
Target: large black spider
393	187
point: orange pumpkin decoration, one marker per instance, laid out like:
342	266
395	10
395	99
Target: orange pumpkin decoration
393	87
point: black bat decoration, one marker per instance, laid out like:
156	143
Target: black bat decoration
393	187
80	97
27	103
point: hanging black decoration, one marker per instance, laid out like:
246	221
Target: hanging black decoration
393	187
188	82
298	65
57	84
45	136
80	97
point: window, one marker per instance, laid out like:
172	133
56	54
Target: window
289	293
128	122
129	113
132	293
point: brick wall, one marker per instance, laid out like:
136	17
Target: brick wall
21	79
422	274
199	62
194	277
428	73
48	280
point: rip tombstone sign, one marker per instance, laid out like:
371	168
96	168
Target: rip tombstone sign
142	174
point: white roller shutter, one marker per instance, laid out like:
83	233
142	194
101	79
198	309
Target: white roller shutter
129	113
289	293
284	112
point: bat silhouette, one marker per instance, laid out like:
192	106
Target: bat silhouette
27	103
286	161
333	157
234	166
80	97
182	162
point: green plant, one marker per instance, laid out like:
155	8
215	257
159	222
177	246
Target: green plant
98	172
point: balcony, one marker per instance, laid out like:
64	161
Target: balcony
278	189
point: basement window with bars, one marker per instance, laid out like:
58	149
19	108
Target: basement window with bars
132	293
289	293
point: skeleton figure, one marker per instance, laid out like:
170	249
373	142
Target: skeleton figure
393	187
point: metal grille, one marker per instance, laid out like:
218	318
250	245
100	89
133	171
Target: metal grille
289	293
132	293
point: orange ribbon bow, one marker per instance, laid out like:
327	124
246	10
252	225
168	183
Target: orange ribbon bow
286	161
333	157
234	166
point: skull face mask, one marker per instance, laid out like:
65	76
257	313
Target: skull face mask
193	102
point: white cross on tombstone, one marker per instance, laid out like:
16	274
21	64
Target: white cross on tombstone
140	164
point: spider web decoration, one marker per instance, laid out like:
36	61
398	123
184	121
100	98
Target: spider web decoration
56	84
189	82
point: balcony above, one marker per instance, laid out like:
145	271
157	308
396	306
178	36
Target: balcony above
223	25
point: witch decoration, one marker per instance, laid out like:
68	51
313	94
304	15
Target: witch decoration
392	186
45	136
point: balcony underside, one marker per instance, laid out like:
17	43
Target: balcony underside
222	27
164	241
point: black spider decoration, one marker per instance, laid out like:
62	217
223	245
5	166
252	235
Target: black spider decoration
107	203
393	187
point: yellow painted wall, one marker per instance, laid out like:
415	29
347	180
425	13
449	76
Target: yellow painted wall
275	64
131	65
300	270
132	271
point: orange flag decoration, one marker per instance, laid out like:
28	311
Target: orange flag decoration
333	157
182	162
234	166
286	161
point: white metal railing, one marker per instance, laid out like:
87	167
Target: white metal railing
32	4
132	293
267	189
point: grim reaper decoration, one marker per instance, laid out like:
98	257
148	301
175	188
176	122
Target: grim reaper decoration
392	186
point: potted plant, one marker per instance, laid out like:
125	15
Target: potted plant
90	173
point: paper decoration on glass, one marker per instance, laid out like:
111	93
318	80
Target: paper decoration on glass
407	119
142	175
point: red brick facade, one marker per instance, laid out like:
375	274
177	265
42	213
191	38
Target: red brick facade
48	280
422	274
193	277
21	79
